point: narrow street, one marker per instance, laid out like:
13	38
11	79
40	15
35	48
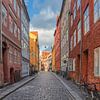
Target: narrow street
44	87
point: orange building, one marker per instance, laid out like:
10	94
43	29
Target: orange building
53	59
34	51
44	63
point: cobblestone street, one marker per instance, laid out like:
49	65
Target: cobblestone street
45	87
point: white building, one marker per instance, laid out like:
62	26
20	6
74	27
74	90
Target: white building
25	40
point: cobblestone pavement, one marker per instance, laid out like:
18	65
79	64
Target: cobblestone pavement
45	87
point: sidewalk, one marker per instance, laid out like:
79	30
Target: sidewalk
71	87
11	88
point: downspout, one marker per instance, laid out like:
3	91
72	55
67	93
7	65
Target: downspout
80	43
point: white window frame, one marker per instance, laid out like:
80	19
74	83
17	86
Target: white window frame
97	61
74	38
78	3
74	64
79	31
86	20
96	10
74	10
4	18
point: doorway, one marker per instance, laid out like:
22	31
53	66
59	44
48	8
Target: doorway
4	57
11	75
86	65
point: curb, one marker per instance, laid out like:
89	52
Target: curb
13	89
73	94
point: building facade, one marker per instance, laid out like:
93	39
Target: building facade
10	62
57	44
34	51
85	40
25	39
44	60
64	14
53	59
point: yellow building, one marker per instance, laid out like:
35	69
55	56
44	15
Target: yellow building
34	51
53	59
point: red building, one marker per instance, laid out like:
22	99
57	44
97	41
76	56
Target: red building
10	64
85	48
57	43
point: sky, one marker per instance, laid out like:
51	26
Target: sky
43	14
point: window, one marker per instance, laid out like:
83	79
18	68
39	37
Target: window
78	3
18	10
11	27
74	38
97	61
74	64
18	34
71	20
15	29
15	5
67	34
86	20
71	43
79	31
11	1
4	15
74	10
10	54
96	10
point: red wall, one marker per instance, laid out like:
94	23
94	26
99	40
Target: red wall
57	38
89	42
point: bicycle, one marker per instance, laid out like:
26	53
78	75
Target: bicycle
90	91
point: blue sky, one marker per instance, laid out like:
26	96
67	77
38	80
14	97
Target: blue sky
43	15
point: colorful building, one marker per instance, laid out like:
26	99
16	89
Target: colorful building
34	51
44	60
10	55
64	15
57	45
85	40
53	59
25	40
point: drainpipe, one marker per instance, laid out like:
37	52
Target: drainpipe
81	42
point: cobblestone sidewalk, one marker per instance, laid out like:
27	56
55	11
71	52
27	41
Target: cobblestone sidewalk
73	86
11	88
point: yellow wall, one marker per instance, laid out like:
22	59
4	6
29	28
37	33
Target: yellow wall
34	50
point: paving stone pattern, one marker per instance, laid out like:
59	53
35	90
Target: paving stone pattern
45	87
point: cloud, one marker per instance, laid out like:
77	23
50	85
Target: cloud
43	19
45	37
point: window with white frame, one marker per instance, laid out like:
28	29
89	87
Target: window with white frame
67	34
74	9
86	20
78	3
15	5
15	29
74	64
97	61
18	34
74	38
4	15
79	31
18	10
71	20
96	10
10	54
71	43
11	26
